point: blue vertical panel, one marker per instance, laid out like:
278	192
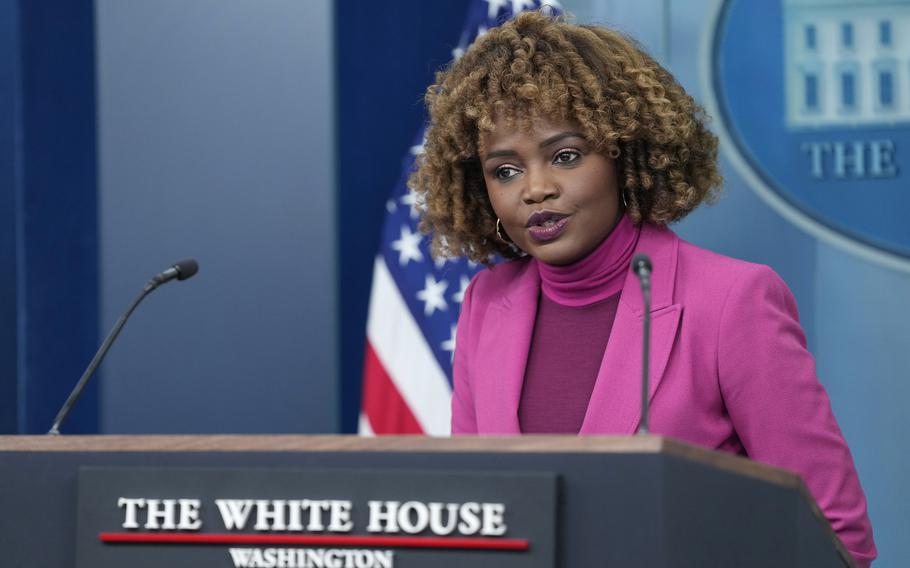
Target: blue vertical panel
54	198
60	209
382	76
215	127
9	186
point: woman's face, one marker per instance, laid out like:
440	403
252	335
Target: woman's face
556	197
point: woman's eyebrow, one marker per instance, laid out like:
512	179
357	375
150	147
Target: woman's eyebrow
558	137
500	153
551	140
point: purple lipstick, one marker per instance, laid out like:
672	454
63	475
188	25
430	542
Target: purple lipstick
545	226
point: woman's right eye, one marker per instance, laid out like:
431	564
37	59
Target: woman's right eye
505	173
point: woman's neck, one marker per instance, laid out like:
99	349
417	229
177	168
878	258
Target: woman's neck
598	275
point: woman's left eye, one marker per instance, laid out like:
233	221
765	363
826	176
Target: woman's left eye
505	173
566	157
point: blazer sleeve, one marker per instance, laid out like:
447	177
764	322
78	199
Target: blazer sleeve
778	407
464	419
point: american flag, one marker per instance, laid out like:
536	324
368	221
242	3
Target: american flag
415	300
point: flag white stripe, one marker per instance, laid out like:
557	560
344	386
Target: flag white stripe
364	428
403	351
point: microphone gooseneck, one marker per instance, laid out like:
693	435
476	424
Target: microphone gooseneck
641	266
181	271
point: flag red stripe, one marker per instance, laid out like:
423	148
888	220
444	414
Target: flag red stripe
335	540
386	409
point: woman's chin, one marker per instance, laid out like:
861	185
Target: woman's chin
556	253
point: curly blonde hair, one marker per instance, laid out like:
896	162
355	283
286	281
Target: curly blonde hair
536	65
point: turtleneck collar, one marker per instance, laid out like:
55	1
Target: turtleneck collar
598	275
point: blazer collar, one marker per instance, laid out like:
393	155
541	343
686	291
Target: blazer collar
662	246
615	405
503	348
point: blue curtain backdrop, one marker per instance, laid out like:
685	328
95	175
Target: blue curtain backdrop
9	96
48	234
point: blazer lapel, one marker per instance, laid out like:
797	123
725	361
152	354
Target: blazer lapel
615	405
504	344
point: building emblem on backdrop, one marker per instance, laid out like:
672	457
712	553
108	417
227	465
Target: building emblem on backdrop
812	100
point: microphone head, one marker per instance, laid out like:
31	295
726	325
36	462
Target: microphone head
641	263
186	268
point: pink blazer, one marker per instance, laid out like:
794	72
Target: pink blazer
729	369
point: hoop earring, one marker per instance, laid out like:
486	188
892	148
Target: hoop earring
499	232
622	194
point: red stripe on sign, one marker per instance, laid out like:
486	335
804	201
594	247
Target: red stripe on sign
336	540
386	410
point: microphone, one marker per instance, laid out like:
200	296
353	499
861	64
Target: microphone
180	271
641	266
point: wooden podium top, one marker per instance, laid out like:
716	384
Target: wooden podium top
644	444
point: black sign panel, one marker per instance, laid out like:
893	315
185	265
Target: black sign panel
268	518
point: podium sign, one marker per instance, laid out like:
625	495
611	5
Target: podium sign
311	518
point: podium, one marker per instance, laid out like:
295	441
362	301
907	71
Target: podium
642	501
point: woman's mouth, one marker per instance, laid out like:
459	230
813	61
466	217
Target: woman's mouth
546	226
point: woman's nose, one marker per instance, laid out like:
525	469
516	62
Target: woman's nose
539	186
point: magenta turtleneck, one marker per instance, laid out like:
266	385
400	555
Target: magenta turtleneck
574	318
596	276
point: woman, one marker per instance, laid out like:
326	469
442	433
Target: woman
567	150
